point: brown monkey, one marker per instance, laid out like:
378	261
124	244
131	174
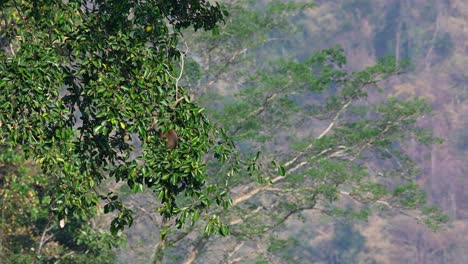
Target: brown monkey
171	137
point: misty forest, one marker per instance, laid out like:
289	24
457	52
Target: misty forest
233	131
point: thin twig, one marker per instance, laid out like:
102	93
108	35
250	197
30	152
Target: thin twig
226	64
325	132
234	251
256	112
177	79
382	202
332	124
44	239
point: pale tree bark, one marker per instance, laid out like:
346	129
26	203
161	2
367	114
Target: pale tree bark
158	252
398	33
45	237
427	61
195	251
229	259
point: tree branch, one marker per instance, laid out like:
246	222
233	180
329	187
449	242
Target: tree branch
234	251
325	132
221	71
45	239
196	250
335	119
382	202
427	60
177	79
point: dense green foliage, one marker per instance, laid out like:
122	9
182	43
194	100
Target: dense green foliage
85	82
27	226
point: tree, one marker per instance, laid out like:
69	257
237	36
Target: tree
87	90
29	233
335	140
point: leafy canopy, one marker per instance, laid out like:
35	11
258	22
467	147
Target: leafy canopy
86	89
30	234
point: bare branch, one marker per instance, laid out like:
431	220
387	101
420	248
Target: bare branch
195	251
251	193
177	79
239	199
335	119
257	111
45	239
325	132
382	202
221	71
12	50
242	219
158	252
234	251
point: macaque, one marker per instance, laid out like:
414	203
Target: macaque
171	137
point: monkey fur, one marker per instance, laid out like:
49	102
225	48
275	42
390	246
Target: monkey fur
171	137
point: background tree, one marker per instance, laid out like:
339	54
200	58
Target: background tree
334	133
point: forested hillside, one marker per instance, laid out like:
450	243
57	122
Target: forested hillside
433	35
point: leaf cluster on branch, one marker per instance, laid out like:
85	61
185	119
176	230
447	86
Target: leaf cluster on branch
88	91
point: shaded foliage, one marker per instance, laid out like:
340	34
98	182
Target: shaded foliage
87	82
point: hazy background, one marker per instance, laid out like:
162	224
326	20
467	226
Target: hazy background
433	34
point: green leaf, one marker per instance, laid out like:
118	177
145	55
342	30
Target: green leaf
224	230
281	171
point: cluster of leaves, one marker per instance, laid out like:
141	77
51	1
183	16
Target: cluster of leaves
30	233
87	90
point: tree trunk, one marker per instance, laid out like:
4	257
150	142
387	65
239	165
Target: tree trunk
158	255
196	251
